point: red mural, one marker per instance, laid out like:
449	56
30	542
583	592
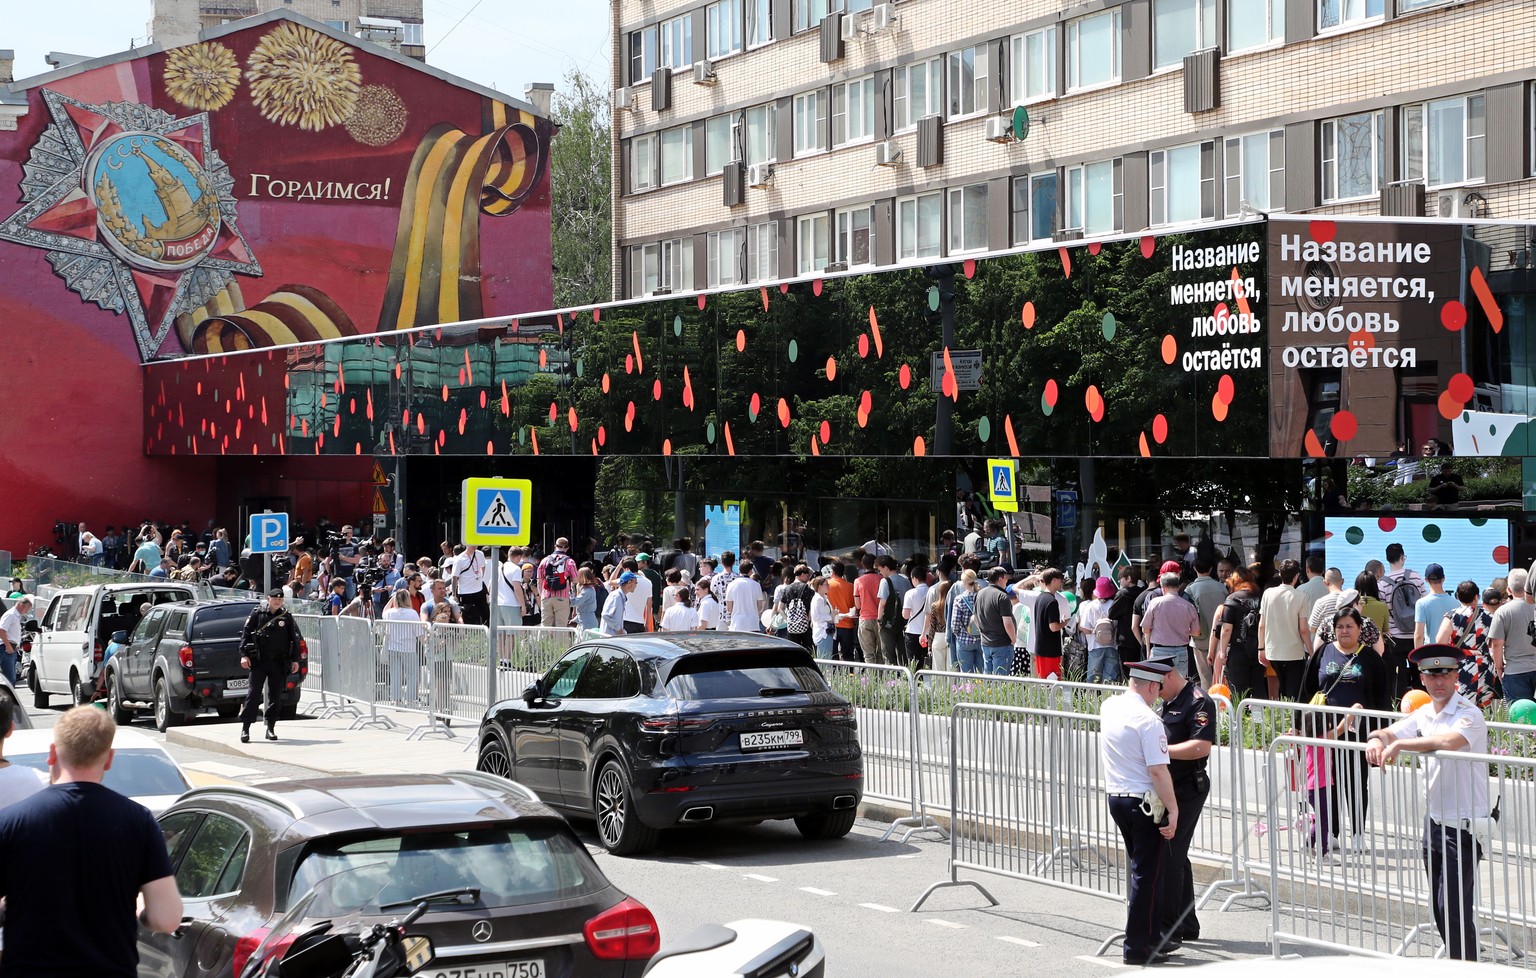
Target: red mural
273	183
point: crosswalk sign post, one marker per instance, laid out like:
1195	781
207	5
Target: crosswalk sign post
496	512
1003	484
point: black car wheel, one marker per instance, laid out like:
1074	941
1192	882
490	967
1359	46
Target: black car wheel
228	711
39	698
120	714
826	825
619	828
165	717
494	758
83	689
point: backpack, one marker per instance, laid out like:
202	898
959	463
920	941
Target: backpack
1104	633
1245	634
797	609
1405	598
553	572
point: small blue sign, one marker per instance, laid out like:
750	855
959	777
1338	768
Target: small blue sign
1066	509
269	533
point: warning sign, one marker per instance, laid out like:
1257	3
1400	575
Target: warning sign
378	476
380	508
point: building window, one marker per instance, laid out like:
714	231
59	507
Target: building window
919	225
757	138
642	163
1255	23
810	123
808	13
1179	27
412	34
1093	197
763	251
1445	141
1352	153
1034	208
717	144
1179	182
722	23
915	92
1032	68
855	237
677	155
676	44
1347	13
1093	50
967	81
642	55
1407	6
759	22
723	257
968	219
853	111
664	265
813	238
1255	172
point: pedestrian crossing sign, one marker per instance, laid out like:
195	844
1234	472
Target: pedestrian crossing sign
1003	484
497	512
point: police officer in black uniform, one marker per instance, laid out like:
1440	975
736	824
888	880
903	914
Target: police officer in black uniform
269	648
1189	717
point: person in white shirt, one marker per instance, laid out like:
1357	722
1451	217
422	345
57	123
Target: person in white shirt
823	620
509	594
402	645
681	617
1456	792
16	781
469	577
708	607
743	604
914	610
616	607
11	631
638	613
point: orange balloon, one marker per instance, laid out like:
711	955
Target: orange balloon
1413	699
1221	689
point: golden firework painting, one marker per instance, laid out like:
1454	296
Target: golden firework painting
301	77
379	118
202	76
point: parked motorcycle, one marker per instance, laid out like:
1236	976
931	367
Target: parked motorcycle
742	949
323	934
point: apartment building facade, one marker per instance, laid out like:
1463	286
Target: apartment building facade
393	24
763	139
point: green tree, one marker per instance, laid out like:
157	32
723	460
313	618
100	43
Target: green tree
581	206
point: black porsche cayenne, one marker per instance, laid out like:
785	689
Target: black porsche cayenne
646	732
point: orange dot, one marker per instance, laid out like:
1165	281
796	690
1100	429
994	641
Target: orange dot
1450	408
1218	407
1142	445
826	432
1160	429
1170	349
831	368
919	448
1028	315
1225	389
666	446
904	376
1313	446
1344	425
741	340
783	413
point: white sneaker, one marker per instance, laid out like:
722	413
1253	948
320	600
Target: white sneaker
1357	843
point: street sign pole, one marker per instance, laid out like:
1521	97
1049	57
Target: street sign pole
494	659
1013	557
266	574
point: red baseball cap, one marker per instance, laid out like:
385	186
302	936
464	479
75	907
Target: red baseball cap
1170	567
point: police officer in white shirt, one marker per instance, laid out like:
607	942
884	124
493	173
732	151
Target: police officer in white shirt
1134	748
1456	792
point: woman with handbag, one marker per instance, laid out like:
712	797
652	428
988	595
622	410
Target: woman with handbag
1342	673
1467	627
966	649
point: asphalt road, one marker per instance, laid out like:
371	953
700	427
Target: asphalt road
855	893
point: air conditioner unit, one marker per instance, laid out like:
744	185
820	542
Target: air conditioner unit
887	154
999	130
1450	203
760	175
623	98
703	73
1068	234
850	26
882	17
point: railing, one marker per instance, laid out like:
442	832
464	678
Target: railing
50	575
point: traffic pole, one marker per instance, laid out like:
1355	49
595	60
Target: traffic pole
494	659
266	573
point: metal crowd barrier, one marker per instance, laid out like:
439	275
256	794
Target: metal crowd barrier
884	703
408	673
1380	902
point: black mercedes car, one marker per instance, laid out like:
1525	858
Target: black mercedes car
646	732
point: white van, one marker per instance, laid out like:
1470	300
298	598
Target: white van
77	626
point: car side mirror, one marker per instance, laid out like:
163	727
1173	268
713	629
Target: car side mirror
532	694
31	625
120	637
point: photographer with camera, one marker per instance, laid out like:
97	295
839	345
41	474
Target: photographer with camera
269	648
344	558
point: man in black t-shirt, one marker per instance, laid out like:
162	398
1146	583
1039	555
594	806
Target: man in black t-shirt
74	858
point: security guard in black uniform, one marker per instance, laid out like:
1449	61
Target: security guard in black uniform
269	648
1189	717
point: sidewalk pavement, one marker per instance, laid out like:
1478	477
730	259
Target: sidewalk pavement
329	745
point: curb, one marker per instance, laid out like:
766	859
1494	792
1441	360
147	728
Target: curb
186	738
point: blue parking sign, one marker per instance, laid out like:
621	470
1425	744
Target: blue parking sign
269	533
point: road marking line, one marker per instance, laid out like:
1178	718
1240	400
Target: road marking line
223	770
946	923
910	855
1106	962
812	889
759	876
710	865
1021	942
880	907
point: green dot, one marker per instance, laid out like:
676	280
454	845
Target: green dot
522	434
933	298
794	351
677	325
1478	521
1431	533
1354	535
1493	429
709	432
258	370
1046	407
984	428
1109	326
581	367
